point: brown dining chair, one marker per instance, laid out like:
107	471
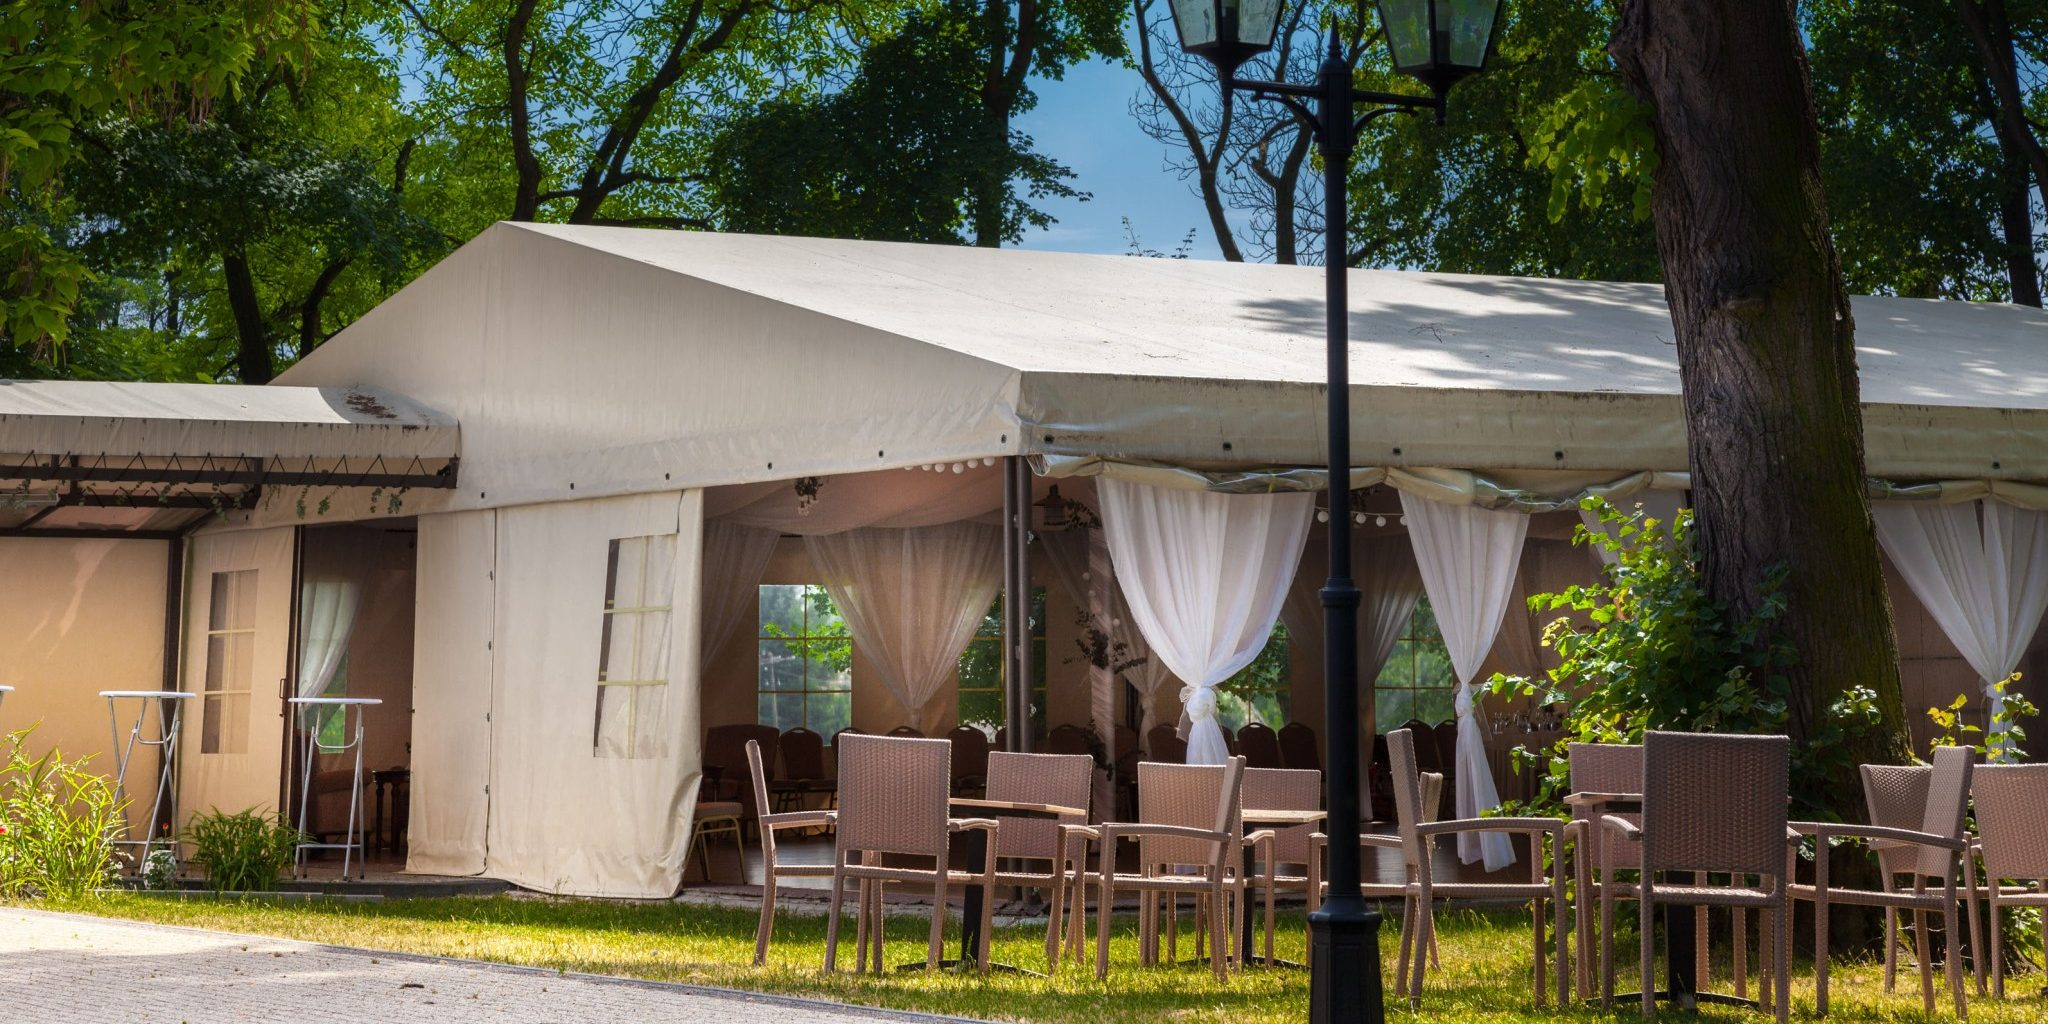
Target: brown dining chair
1163	744
803	769
970	759
907	732
772	867
1298	748
2012	831
1259	745
1418	841
893	803
1190	838
1940	844
1069	739
1447	751
725	759
1711	803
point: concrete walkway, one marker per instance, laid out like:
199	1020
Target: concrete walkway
89	970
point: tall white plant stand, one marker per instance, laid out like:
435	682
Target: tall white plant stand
167	708
351	845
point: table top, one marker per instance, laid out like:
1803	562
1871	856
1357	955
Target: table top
1598	799
1018	808
159	694
1267	816
5	688
333	700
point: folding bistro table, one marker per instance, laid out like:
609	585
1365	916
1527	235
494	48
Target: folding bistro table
169	706
351	845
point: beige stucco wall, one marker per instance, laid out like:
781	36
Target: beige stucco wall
79	616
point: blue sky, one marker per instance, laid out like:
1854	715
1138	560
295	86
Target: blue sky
1085	122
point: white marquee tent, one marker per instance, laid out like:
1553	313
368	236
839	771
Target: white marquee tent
670	402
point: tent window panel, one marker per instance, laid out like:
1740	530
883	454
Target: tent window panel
633	650
1260	692
1417	683
982	690
230	663
805	660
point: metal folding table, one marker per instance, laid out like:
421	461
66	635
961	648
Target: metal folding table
169	706
351	845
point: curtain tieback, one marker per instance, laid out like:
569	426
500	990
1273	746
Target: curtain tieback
1465	700
1198	701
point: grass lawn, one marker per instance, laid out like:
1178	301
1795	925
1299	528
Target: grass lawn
1485	957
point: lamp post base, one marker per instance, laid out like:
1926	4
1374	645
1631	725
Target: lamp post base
1344	959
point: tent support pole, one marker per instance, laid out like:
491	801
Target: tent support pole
1017	668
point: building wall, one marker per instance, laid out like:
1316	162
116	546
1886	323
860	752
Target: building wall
78	617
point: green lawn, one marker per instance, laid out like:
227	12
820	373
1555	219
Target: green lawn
1485	956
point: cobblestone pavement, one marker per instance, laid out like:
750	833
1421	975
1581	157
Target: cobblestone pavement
76	969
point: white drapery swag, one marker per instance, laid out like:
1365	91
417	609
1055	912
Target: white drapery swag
735	557
1469	558
1981	569
1205	574
912	599
327	618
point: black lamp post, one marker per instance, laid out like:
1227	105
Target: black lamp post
1438	42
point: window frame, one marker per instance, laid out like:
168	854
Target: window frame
217	703
990	634
800	645
1416	644
643	683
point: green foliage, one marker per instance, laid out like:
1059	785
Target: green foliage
1259	691
2005	739
1593	140
58	822
901	153
242	852
1647	649
66	67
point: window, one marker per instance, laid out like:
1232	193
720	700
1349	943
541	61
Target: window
632	659
806	664
1259	692
230	663
1417	681
982	663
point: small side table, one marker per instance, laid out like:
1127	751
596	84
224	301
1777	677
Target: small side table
169	706
351	845
397	782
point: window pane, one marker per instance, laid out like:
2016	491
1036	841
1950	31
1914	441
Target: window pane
829	665
981	666
650	662
782	610
982	708
613	710
1433	669
1436	706
650	707
782	668
822	616
234	600
784	711
1393	707
234	723
830	712
209	724
657	582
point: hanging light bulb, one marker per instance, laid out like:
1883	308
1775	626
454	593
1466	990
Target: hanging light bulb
1322	515
959	468
988	460
1358	517
1379	520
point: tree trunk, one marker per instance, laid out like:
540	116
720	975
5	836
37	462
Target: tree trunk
255	363
1991	34
2018	218
1766	350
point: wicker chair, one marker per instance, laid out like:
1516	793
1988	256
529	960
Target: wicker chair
893	794
1710	804
1598	768
1418	839
1432	789
1285	789
1062	780
2012	827
772	869
803	769
1260	746
1298	747
1190	837
1938	846
1163	744
970	759
1895	796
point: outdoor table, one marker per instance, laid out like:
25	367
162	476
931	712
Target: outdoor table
352	838
1275	819
166	776
1682	924
977	862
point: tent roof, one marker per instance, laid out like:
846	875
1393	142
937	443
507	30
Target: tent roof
586	361
136	457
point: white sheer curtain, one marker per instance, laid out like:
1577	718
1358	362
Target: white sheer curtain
912	599
1069	557
735	557
1981	570
1205	574
1469	557
327	618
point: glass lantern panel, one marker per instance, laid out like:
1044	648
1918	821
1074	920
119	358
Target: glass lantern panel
1407	26
1196	22
1470	24
1257	20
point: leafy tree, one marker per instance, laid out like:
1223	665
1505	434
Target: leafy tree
900	153
67	66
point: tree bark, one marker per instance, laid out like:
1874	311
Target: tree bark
2017	215
255	363
1010	51
1766	349
1991	33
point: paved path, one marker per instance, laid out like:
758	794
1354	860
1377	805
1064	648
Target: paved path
87	970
